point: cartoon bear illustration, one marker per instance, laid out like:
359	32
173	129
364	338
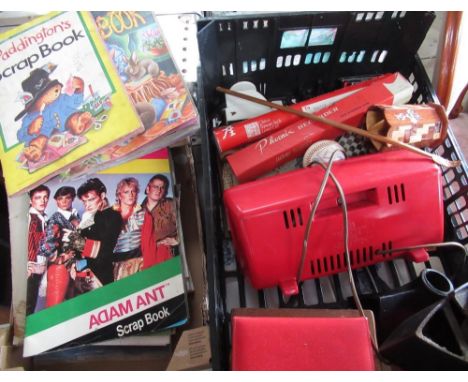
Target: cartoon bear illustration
48	111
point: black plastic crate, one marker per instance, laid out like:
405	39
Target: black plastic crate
247	48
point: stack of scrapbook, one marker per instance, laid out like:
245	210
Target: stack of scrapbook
61	98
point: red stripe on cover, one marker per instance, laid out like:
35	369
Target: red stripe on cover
159	154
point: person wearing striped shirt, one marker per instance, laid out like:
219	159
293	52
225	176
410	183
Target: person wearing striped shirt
127	252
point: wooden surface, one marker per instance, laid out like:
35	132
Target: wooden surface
448	57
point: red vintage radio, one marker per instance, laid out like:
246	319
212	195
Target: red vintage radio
394	200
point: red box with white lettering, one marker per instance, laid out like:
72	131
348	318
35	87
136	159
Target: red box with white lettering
292	141
240	133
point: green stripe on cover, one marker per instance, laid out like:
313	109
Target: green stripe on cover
107	294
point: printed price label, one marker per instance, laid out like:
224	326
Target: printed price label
252	129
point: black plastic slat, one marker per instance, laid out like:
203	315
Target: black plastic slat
401	37
394	273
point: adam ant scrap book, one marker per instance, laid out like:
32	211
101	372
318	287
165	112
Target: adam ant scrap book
103	257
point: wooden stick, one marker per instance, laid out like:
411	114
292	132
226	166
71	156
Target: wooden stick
342	126
458	107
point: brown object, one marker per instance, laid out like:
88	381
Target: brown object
351	129
458	107
193	351
164	217
418	125
449	55
34	151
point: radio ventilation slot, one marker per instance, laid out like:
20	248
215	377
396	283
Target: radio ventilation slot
338	262
332	263
286	220
293	218
396	194
385	247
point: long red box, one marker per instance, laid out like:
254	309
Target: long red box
298	341
240	133
292	141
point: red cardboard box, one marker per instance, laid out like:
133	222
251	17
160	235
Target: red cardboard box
241	133
301	339
292	141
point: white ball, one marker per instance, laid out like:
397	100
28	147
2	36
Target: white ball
322	151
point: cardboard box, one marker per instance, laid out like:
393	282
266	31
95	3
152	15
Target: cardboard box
193	351
292	141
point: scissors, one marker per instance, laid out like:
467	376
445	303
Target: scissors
97	123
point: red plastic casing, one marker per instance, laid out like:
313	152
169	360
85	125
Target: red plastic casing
394	200
301	343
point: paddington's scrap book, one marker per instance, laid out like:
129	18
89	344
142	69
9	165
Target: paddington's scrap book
61	98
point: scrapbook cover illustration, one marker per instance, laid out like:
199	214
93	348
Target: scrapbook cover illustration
103	257
60	98
136	44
